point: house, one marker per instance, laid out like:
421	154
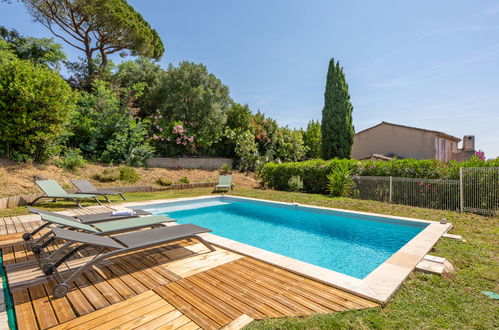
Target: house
394	140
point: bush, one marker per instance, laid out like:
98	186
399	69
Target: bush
289	145
104	128
108	175
34	104
314	172
184	180
71	160
340	182
128	146
164	182
295	183
129	174
225	168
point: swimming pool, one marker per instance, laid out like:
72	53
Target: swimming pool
349	243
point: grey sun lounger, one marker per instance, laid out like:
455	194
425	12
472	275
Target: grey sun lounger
53	190
224	183
99	228
86	218
84	186
111	246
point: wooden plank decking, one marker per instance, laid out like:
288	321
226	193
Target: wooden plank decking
180	286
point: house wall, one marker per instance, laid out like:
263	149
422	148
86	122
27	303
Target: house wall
401	141
445	149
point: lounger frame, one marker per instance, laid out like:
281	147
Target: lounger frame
49	265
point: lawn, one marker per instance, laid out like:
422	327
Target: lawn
424	301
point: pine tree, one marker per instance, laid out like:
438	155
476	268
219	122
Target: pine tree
337	128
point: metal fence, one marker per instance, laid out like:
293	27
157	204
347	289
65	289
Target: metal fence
480	190
476	191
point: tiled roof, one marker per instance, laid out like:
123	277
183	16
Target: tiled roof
438	133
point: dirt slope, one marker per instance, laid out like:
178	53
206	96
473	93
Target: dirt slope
16	179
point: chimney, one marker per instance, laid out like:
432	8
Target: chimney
469	143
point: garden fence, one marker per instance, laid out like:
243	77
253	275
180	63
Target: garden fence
477	190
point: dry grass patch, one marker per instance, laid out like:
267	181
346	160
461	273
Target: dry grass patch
19	178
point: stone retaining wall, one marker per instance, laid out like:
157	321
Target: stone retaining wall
205	163
20	200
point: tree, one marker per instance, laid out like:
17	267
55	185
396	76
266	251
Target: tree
289	145
38	50
265	131
198	99
141	71
337	128
312	139
101	27
34	104
103	127
239	119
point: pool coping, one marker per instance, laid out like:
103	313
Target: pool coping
379	285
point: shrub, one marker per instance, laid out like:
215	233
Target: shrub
129	174
295	183
314	172
312	139
184	180
340	182
129	146
164	182
34	104
246	150
108	175
225	168
289	145
71	160
171	138
103	127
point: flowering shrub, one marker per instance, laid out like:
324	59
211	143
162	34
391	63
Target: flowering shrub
171	139
480	154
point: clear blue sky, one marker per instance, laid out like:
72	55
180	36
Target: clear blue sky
430	64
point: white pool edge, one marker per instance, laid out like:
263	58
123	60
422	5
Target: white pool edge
379	285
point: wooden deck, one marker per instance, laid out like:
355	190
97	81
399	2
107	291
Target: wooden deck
180	286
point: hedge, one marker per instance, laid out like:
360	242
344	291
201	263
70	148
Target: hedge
314	172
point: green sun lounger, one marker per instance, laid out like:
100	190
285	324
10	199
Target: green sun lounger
53	190
224	183
84	186
85	218
99	228
111	246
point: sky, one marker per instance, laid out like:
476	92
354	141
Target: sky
429	64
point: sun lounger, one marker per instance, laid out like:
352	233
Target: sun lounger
84	186
224	183
53	190
111	246
86	218
100	228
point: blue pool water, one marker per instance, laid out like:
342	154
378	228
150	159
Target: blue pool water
348	243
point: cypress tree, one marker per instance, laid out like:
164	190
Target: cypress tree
336	127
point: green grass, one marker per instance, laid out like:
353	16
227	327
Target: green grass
424	301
